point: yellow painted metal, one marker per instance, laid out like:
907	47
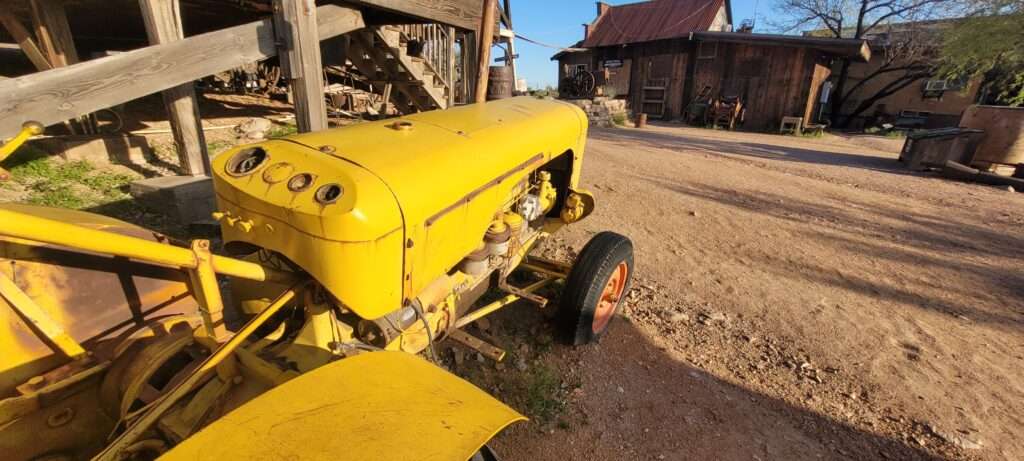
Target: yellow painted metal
207	292
546	192
89	296
28	129
115	450
415	201
504	301
573	209
379	406
28	308
487	349
15	222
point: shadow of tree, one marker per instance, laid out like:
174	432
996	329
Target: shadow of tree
637	401
886	164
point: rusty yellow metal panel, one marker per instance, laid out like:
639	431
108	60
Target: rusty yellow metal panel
87	295
378	406
418	193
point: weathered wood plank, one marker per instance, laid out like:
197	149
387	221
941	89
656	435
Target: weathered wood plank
163	25
68	92
300	59
24	39
459	13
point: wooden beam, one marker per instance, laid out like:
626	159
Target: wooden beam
459	13
296	27
21	35
163	25
64	93
450	53
50	21
53	32
486	39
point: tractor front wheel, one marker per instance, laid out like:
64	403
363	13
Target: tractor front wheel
595	287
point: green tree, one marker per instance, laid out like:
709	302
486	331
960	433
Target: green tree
989	44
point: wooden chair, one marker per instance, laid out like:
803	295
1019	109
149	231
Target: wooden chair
794	124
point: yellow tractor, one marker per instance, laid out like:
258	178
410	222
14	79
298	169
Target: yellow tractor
348	254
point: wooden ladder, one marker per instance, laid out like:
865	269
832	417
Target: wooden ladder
382	55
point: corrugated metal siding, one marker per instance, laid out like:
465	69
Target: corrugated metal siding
653	20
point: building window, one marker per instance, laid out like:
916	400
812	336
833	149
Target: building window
936	88
579	68
943	85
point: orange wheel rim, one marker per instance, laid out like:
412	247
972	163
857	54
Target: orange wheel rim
610	297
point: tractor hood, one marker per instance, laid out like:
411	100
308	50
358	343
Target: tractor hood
433	159
413	195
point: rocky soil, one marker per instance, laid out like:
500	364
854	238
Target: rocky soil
794	299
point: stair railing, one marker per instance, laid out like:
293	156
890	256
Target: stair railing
438	49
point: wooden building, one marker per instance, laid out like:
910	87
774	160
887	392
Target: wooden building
914	99
662	54
83	56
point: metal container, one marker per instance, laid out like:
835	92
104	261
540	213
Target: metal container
1003	145
499	83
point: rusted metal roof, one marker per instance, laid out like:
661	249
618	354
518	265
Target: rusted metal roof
652	20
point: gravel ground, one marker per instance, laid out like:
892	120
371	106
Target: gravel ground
794	299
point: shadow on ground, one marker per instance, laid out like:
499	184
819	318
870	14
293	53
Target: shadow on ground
636	401
752	150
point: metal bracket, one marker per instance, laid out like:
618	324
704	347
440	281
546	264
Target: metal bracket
487	349
207	292
526	294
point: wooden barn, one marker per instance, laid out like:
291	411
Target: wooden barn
663	55
62	61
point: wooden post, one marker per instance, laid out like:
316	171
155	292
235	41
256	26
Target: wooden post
24	39
450	54
296	29
511	53
486	39
53	32
386	97
163	25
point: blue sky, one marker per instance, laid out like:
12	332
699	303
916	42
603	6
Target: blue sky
560	22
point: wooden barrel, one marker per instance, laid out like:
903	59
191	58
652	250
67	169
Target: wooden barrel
499	83
641	120
1003	145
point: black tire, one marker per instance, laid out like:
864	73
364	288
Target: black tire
601	258
485	454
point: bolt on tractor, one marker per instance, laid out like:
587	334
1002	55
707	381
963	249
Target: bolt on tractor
348	254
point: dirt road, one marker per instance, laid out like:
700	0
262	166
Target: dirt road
795	299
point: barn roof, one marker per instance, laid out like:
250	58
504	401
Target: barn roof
651	20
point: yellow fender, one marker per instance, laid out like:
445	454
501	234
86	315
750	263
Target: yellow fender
377	406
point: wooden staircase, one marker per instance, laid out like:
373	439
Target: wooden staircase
410	82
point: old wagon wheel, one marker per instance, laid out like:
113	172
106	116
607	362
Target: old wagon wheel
586	83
